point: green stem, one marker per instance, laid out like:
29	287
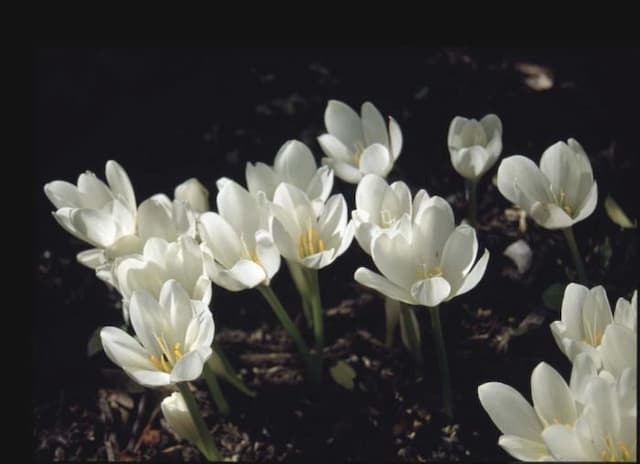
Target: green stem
575	254
227	372
285	320
318	321
472	197
206	444
215	390
392	314
299	278
441	353
412	331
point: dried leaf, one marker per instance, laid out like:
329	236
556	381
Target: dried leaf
343	374
617	215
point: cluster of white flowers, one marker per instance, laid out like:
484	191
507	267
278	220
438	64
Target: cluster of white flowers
594	418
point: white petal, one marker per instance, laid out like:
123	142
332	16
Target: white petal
475	275
458	255
370	193
571	310
334	216
155	218
508	409
220	237
201	329
583	370
344	123
372	280
365	233
124	350
63	194
522	182
551	396
434	223
520	253
335	149
92	258
563	443
523	449
295	163
627	312
373	126
189	367
344	171
491	124
319	188
455	128
146	315
243	275
260	178
94	192
588	205
395	258
596	314
267	253
120	184
97	226
431	292
176	305
284	242
619	349
375	159
395	135
550	216
471	162
240	209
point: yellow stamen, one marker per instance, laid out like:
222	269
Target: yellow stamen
422	272
176	351
310	243
565	204
625	451
155	362
320	245
164	363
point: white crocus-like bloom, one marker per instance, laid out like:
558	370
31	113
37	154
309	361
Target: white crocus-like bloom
474	145
302	236
159	262
99	214
356	145
173	337
294	164
557	195
588	326
522	425
606	429
158	216
381	206
176	413
192	192
431	264
238	248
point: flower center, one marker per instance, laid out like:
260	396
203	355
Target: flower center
357	154
247	254
613	453
564	203
423	272
593	336
168	357
386	218
310	243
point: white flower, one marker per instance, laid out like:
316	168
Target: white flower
381	206
606	429
588	326
359	145
522	425
474	146
301	236
194	194
99	214
239	250
158	216
173	337
161	261
557	195
176	413
431	264
293	164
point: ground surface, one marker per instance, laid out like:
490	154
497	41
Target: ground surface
169	115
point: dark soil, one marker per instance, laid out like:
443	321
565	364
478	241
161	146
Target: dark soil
167	115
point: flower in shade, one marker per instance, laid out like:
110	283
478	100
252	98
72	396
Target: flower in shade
358	145
159	262
474	145
173	337
176	413
587	326
238	248
194	194
429	262
293	164
556	195
381	206
302	236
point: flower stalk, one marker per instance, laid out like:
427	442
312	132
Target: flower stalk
575	254
318	322
441	353
219	360
412	330
215	390
300	279
205	443
472	198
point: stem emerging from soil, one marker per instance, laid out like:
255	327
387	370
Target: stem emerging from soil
215	390
285	320
441	353
472	198
318	323
206	444
575	254
300	279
